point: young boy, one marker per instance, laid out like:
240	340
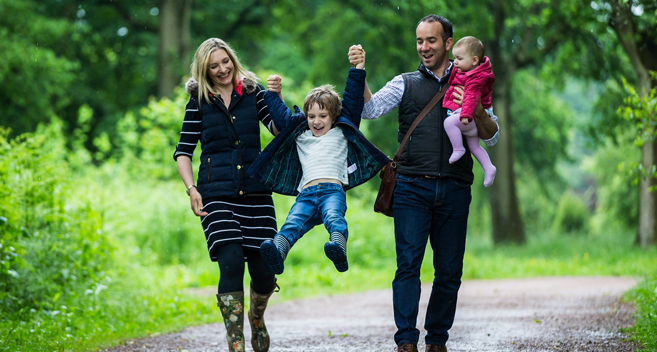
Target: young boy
318	155
473	71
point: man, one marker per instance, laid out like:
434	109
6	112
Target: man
432	196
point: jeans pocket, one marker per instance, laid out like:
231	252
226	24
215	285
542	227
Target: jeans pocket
461	184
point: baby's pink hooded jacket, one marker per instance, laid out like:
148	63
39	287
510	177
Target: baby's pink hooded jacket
477	82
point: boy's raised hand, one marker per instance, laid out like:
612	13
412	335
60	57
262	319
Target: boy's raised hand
357	56
274	85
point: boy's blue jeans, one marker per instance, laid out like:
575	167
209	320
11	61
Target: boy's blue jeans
434	209
324	203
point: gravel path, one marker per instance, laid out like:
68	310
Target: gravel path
539	314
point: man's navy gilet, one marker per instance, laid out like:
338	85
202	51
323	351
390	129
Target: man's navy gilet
230	142
428	150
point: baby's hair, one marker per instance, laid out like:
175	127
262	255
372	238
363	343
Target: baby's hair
326	97
472	46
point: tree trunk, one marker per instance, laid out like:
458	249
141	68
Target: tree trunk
622	23
175	17
648	200
507	223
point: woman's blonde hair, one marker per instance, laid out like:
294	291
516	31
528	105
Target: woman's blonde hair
201	62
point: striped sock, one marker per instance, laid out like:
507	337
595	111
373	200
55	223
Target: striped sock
282	245
340	240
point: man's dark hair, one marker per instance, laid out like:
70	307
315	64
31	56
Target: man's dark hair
448	32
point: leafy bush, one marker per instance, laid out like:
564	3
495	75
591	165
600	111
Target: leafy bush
571	214
49	246
617	197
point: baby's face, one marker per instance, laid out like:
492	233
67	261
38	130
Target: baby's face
462	60
319	120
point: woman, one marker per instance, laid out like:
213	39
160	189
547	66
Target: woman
237	213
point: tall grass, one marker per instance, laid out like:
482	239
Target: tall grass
645	298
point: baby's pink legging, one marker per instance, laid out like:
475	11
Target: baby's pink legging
454	128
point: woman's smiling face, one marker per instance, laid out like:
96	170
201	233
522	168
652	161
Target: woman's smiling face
220	68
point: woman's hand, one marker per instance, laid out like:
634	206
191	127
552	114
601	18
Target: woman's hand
274	85
197	202
357	56
458	94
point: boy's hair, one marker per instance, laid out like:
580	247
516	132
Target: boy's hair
326	97
472	46
201	63
448	30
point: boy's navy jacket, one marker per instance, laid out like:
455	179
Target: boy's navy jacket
278	166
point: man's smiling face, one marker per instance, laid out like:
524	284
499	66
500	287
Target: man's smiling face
430	46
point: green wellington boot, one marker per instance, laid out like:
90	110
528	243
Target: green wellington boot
259	334
232	310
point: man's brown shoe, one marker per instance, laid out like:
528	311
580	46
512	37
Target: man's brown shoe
434	348
407	347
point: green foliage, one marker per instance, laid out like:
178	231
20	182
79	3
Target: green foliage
541	127
64	280
571	215
617	197
50	245
148	138
34	78
645	298
641	108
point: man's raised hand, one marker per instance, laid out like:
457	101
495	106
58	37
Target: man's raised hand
357	56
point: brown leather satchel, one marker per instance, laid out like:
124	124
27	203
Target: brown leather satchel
384	198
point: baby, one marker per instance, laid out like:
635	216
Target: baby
318	155
473	71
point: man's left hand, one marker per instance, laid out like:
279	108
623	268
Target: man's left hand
458	94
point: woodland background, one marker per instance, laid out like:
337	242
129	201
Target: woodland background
94	220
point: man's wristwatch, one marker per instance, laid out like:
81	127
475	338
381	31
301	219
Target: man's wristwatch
190	187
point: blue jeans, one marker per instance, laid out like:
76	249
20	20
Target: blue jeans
437	210
324	203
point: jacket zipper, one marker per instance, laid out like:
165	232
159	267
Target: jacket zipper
440	136
239	142
209	169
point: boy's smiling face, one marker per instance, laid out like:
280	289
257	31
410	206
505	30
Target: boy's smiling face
319	120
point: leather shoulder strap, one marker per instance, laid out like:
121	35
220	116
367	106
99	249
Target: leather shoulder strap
419	118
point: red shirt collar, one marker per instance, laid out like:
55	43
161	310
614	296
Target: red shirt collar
239	87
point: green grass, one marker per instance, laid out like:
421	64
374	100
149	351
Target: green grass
122	306
645	298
